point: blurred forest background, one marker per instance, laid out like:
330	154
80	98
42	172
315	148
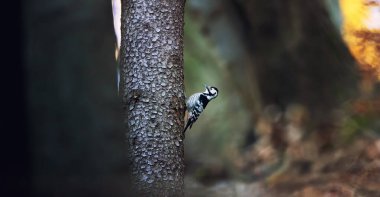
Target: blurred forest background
289	120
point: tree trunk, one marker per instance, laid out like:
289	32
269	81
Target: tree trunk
153	94
74	119
299	55
300	58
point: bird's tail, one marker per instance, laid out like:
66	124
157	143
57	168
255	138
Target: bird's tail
188	124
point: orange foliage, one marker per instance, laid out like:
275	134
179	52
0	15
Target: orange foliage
361	32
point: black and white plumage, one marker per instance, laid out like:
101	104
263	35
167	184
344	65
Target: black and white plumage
197	102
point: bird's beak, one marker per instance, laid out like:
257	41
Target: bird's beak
206	86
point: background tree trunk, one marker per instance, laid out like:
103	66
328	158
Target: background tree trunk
74	116
153	86
289	40
300	58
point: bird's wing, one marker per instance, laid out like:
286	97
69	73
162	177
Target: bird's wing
192	100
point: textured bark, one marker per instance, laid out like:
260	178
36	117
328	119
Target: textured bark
153	93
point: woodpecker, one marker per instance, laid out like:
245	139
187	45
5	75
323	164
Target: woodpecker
197	102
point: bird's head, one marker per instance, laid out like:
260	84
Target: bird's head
210	92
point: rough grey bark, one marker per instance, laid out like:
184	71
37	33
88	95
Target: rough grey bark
153	93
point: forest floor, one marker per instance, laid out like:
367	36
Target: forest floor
348	171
